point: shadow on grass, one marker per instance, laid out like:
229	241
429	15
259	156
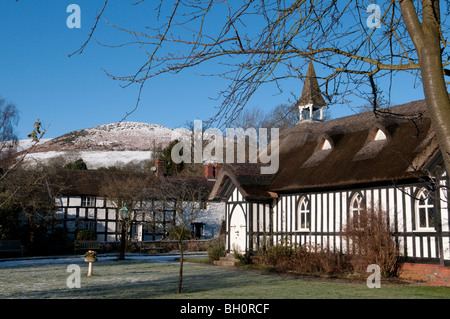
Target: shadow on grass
127	279
142	279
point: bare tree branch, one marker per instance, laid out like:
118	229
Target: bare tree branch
255	43
81	49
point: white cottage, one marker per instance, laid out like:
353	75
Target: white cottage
81	205
329	171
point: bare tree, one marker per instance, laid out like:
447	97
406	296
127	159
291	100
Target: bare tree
9	118
128	190
184	196
10	159
259	42
31	192
281	116
250	118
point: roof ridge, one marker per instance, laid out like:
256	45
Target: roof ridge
358	121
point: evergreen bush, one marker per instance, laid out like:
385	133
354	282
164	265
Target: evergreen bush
216	248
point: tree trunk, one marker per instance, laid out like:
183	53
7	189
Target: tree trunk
180	277
426	38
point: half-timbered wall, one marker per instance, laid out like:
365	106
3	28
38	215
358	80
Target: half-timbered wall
329	211
76	213
317	218
258	221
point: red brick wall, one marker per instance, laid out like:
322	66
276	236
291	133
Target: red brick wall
433	275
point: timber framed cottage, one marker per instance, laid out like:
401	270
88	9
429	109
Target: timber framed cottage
329	171
81	205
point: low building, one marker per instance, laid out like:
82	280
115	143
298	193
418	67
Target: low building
329	171
82	205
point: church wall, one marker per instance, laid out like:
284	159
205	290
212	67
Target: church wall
330	211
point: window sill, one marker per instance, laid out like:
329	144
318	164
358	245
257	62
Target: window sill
424	230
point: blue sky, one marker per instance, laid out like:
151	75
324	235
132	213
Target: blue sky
74	93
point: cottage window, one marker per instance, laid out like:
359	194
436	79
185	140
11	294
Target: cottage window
203	204
303	219
85	224
356	209
88	201
424	210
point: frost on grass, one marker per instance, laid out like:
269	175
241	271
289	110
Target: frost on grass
111	279
140	278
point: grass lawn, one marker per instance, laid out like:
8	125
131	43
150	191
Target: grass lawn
138	279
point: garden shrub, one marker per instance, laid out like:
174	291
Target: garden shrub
86	234
369	239
315	259
278	255
304	259
216	248
78	164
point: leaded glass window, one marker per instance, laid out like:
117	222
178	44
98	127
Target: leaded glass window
424	210
304	214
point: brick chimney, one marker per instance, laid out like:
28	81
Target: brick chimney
159	164
209	171
216	170
212	171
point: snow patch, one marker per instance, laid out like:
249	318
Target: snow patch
93	159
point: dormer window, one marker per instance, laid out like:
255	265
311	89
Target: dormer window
326	145
379	135
323	149
376	140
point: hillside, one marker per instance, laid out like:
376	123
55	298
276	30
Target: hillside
124	136
106	145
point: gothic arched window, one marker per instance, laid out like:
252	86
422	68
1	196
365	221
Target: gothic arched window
424	210
356	208
303	214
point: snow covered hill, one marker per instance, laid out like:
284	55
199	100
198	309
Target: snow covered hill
116	136
106	145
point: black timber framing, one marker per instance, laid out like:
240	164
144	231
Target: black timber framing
326	203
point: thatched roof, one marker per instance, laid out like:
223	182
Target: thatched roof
73	182
354	157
